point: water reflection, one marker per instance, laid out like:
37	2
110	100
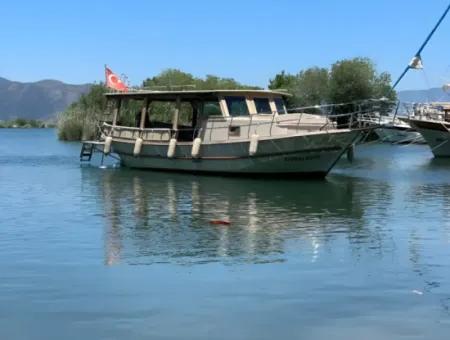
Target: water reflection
155	217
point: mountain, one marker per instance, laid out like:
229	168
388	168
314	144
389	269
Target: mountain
419	96
39	100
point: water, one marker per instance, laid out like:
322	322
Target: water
90	253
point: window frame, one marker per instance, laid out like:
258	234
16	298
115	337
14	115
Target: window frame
269	112
244	99
275	99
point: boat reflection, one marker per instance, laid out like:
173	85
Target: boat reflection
155	217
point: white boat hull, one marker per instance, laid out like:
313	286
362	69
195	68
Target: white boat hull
398	135
303	155
436	134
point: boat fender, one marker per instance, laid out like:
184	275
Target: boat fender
253	148
171	148
351	153
137	147
107	146
196	147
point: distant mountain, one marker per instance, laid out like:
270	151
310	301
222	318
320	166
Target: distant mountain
38	100
420	96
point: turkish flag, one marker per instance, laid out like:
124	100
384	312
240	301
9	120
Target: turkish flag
114	82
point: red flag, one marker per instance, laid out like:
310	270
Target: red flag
114	82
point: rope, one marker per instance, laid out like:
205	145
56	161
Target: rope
439	145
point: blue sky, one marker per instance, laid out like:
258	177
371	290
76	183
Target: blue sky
248	40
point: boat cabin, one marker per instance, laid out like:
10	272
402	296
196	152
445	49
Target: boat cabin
212	115
186	113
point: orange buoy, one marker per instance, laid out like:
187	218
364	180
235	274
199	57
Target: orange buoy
219	222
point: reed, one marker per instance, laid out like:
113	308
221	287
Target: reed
79	121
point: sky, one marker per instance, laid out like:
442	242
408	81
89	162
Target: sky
248	40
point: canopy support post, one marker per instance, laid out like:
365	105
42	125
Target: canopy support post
144	113
116	112
176	114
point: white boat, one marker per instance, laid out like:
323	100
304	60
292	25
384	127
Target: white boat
397	131
391	128
240	132
433	122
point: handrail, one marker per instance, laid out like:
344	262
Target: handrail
332	121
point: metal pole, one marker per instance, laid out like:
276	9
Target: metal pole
417	55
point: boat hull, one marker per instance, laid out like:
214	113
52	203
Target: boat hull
306	155
436	134
399	135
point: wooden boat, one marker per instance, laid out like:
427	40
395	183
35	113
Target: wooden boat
239	132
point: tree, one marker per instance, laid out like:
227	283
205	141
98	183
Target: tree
174	79
348	81
308	87
312	86
288	82
170	79
357	79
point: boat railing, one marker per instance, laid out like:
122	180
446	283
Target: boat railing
437	111
126	132
235	128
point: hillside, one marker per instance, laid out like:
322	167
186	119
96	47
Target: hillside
39	100
42	100
420	96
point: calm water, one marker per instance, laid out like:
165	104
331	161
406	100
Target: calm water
90	253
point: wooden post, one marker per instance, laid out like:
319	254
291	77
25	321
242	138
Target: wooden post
116	111
144	113
176	114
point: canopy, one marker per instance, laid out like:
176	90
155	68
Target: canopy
191	95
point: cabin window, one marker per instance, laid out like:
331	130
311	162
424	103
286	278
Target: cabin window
160	115
237	106
279	103
211	109
262	105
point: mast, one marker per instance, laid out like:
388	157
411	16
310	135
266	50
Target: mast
416	62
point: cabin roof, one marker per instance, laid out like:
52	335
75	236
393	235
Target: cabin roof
188	95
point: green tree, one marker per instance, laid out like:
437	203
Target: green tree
347	81
311	87
357	79
174	79
170	79
287	82
308	87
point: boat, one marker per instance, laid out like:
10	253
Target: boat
432	120
395	130
226	132
389	127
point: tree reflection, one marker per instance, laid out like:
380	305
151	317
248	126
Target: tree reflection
155	217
